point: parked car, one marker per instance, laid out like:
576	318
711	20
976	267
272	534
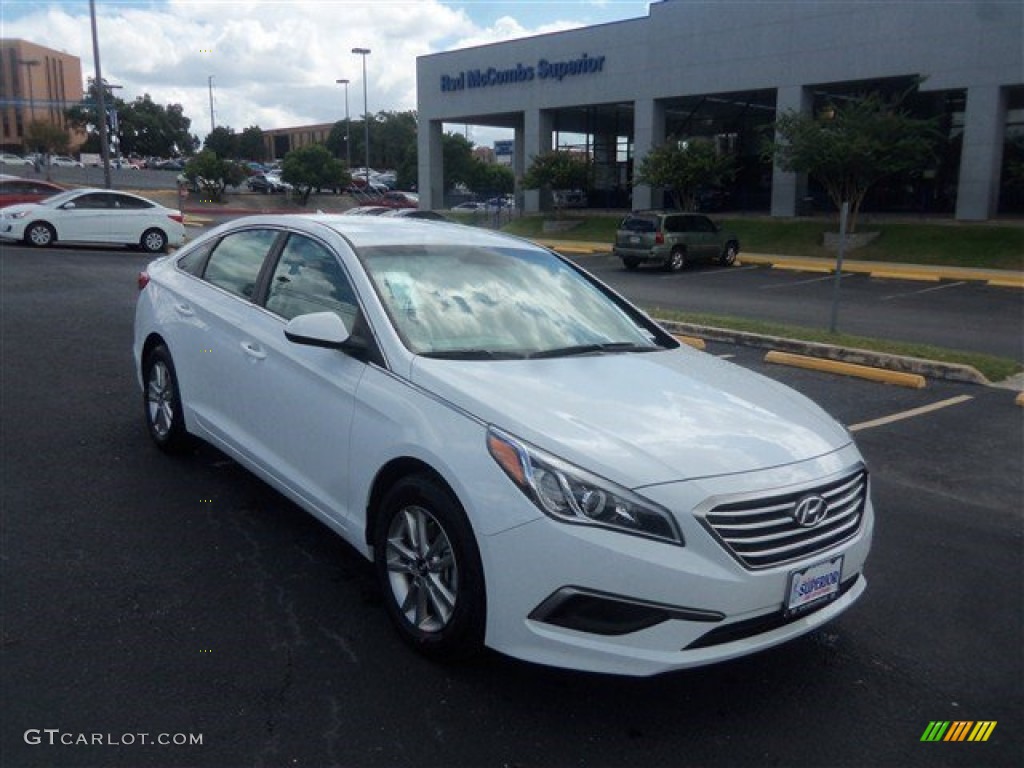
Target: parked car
174	164
358	186
672	239
65	161
15	190
398	200
267	183
530	462
470	206
10	159
502	203
94	216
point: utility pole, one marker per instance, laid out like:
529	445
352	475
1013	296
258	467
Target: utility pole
209	82
100	97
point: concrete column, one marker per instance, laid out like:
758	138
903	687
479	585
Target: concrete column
519	158
538	125
430	168
648	132
981	159
789	188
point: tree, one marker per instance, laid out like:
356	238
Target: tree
491	178
557	170
682	166
312	167
457	153
250	144
46	137
223	141
143	126
210	174
852	145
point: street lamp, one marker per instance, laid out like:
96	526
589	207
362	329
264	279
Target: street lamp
366	115
348	144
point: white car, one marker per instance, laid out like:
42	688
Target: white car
529	460
63	161
7	158
94	216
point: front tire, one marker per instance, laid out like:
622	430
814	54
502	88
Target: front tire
153	241
165	419
40	234
429	569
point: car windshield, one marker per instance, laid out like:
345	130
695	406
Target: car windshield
476	302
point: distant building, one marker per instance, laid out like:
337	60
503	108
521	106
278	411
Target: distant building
280	141
36	84
726	71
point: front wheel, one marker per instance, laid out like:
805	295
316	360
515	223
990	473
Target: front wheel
429	569
153	241
40	234
728	257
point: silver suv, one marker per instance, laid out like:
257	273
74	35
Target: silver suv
672	239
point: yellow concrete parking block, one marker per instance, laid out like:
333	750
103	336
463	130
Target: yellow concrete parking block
691	341
900	275
1020	400
912	380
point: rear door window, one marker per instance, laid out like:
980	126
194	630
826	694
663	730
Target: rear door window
236	262
640	224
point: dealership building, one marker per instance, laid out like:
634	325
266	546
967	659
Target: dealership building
726	70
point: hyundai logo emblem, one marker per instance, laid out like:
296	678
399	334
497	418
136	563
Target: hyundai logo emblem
810	510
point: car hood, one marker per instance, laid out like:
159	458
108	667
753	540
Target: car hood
640	418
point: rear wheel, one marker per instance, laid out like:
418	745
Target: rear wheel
162	399
728	257
676	260
153	241
40	234
429	569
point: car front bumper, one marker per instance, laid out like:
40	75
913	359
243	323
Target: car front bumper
621	604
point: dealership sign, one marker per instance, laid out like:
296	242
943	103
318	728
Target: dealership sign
544	70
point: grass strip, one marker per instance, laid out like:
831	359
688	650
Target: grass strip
993	367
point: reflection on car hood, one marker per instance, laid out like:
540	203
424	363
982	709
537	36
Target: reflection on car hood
640	419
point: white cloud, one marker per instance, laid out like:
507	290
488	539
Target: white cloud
274	64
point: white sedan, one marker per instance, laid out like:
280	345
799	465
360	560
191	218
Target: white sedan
531	463
94	216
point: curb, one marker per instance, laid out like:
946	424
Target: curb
883	361
911	380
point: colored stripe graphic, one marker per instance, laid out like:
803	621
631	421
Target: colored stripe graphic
958	730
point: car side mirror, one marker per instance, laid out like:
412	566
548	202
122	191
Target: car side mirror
322	329
69	206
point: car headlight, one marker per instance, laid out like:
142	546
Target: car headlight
573	495
16	215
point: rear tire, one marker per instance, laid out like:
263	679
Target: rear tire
728	257
676	260
165	419
153	241
429	569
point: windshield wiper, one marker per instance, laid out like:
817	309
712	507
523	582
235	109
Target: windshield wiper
590	349
473	354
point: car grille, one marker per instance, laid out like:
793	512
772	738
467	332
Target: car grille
763	532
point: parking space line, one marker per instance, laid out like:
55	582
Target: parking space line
912	413
706	272
805	282
942	287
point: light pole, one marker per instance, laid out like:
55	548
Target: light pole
366	116
209	82
100	97
348	143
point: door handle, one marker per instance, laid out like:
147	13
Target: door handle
253	350
184	309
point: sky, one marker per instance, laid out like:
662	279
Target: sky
274	63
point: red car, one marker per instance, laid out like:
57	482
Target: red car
398	200
26	191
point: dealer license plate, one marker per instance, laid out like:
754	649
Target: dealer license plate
814	585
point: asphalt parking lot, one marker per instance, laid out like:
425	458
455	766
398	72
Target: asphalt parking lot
182	597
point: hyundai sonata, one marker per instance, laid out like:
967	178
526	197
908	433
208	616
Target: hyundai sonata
530	462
